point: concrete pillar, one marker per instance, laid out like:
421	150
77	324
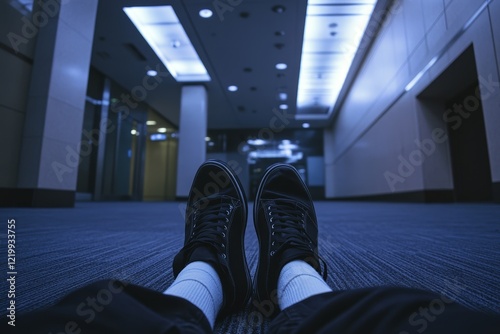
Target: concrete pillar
50	151
192	133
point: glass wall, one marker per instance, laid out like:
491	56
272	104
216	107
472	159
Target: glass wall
250	152
123	155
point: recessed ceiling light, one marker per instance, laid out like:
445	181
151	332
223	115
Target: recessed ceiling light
232	88
133	131
284	106
281	66
162	130
151	123
306	125
152	73
282	96
279	9
208	138
206	13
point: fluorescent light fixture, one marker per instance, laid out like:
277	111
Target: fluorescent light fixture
232	88
332	34
161	28
162	130
150	122
158	137
281	66
286	145
206	13
152	73
256	142
306	125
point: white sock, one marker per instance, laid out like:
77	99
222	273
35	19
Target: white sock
200	284
298	281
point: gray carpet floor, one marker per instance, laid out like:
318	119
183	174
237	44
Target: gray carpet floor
452	249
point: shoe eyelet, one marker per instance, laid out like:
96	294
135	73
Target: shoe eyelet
270	213
272	226
269	207
223	234
225	227
272	233
227	212
223	246
223	255
227	220
272	243
271	220
272	253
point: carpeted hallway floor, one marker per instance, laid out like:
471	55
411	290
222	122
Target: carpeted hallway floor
453	249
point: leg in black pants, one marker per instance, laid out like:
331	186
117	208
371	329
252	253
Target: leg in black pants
212	276
382	310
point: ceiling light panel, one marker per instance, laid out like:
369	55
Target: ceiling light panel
332	35
161	28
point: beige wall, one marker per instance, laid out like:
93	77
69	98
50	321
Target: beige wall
160	170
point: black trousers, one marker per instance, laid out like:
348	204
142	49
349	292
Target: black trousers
117	307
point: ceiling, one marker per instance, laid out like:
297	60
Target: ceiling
239	46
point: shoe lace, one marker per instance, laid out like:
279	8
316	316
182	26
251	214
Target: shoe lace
210	225
288	228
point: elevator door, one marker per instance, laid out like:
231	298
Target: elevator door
469	148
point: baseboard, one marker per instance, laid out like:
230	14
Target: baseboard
423	196
36	198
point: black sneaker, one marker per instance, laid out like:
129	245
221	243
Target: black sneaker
286	226
216	217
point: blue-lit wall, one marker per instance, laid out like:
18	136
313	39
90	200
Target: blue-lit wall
381	122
